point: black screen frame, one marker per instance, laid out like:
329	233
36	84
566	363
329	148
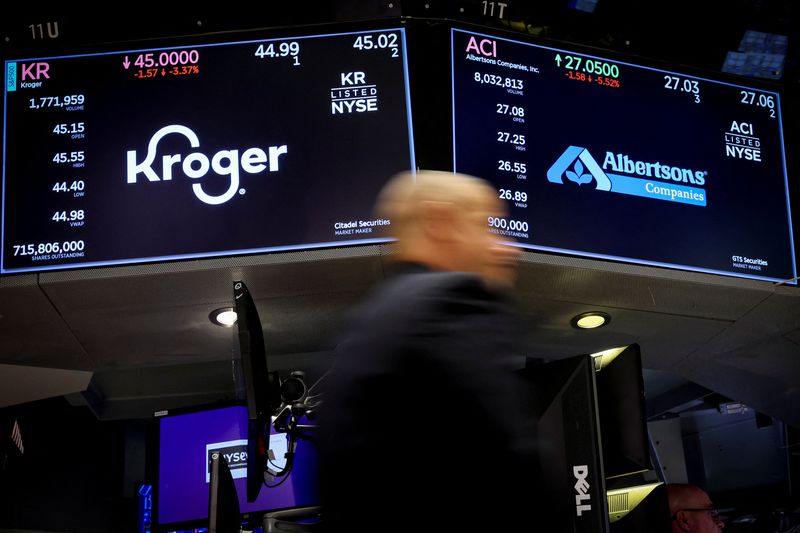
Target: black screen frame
623	414
428	49
790	131
154	466
224	515
212	39
565	409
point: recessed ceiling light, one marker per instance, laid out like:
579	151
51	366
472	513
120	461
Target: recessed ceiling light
590	320
224	316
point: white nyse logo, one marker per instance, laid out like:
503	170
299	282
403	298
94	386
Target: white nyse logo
581	489
354	95
741	142
196	164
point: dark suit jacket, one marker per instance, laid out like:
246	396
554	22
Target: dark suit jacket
420	429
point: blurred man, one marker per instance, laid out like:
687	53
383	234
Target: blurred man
420	428
691	510
440	220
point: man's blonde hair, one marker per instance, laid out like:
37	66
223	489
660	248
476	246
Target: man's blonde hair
405	195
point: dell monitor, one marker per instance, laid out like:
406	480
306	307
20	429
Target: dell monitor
590	417
620	397
564	404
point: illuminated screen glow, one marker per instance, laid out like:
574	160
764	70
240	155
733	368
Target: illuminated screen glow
201	150
607	159
186	442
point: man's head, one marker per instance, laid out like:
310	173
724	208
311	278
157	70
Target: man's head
440	219
692	510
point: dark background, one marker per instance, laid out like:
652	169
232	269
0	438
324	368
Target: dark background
81	474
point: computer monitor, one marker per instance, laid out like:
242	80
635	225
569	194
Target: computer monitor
639	509
677	145
262	387
186	439
223	503
564	404
623	420
259	141
590	417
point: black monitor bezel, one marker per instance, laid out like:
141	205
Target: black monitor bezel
157	526
210	39
790	131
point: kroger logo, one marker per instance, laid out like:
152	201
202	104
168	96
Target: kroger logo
196	165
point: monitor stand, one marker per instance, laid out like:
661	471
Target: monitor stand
297	520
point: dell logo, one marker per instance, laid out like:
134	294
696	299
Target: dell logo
196	164
582	495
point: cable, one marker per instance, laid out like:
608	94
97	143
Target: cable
287	470
276	466
318	382
278	484
286	421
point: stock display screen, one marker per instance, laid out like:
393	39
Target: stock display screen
608	159
194	151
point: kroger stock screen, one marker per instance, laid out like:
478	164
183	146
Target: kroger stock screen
193	151
607	159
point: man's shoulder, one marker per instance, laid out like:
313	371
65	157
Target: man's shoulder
431	304
410	312
428	289
434	282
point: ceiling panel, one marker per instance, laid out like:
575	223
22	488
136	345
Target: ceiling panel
665	339
32	332
621	285
144	330
764	375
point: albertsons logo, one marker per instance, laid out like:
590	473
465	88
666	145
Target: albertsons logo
577	165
